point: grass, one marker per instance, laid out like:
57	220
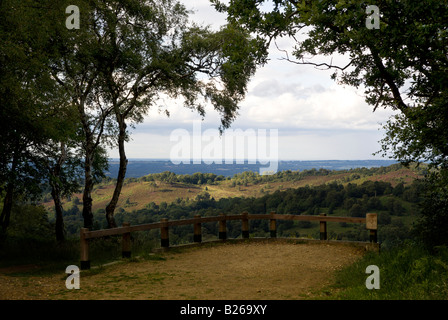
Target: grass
409	272
140	193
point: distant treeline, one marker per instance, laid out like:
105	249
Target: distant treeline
252	177
138	168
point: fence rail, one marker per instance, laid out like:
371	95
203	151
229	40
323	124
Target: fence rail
370	221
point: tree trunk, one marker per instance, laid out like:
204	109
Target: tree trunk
87	194
56	194
110	209
59	227
9	198
6	212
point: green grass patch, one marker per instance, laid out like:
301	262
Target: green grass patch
409	272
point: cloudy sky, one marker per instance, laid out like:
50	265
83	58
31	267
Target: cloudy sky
316	118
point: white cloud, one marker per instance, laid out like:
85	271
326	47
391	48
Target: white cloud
314	107
315	117
329	145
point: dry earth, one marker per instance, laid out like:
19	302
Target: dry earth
252	270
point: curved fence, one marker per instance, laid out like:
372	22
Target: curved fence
370	221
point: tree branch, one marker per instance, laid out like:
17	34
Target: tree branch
389	80
317	65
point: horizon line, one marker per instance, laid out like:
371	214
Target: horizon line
246	160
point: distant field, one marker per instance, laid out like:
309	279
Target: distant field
135	195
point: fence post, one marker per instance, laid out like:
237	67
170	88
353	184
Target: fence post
372	226
85	262
126	242
245	225
197	236
222	227
323	228
164	234
273	226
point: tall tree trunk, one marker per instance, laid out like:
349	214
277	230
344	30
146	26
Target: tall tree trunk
9	197
6	212
87	194
59	227
110	209
56	194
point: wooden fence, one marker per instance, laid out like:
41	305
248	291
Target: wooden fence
370	221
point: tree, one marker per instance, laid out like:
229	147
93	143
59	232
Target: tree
128	53
148	49
30	102
356	211
62	172
402	65
75	66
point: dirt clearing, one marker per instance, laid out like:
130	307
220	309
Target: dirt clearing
251	270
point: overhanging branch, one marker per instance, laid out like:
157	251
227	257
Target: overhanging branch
316	65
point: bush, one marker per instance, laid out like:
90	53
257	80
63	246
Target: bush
432	227
407	272
30	222
357	211
304	224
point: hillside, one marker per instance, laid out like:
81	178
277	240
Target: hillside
137	193
393	192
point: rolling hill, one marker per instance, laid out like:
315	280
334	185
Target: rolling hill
138	192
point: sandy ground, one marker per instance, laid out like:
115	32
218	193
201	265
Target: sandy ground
253	270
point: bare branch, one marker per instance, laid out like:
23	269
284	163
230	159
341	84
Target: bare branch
317	65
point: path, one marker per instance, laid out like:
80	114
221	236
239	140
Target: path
254	270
